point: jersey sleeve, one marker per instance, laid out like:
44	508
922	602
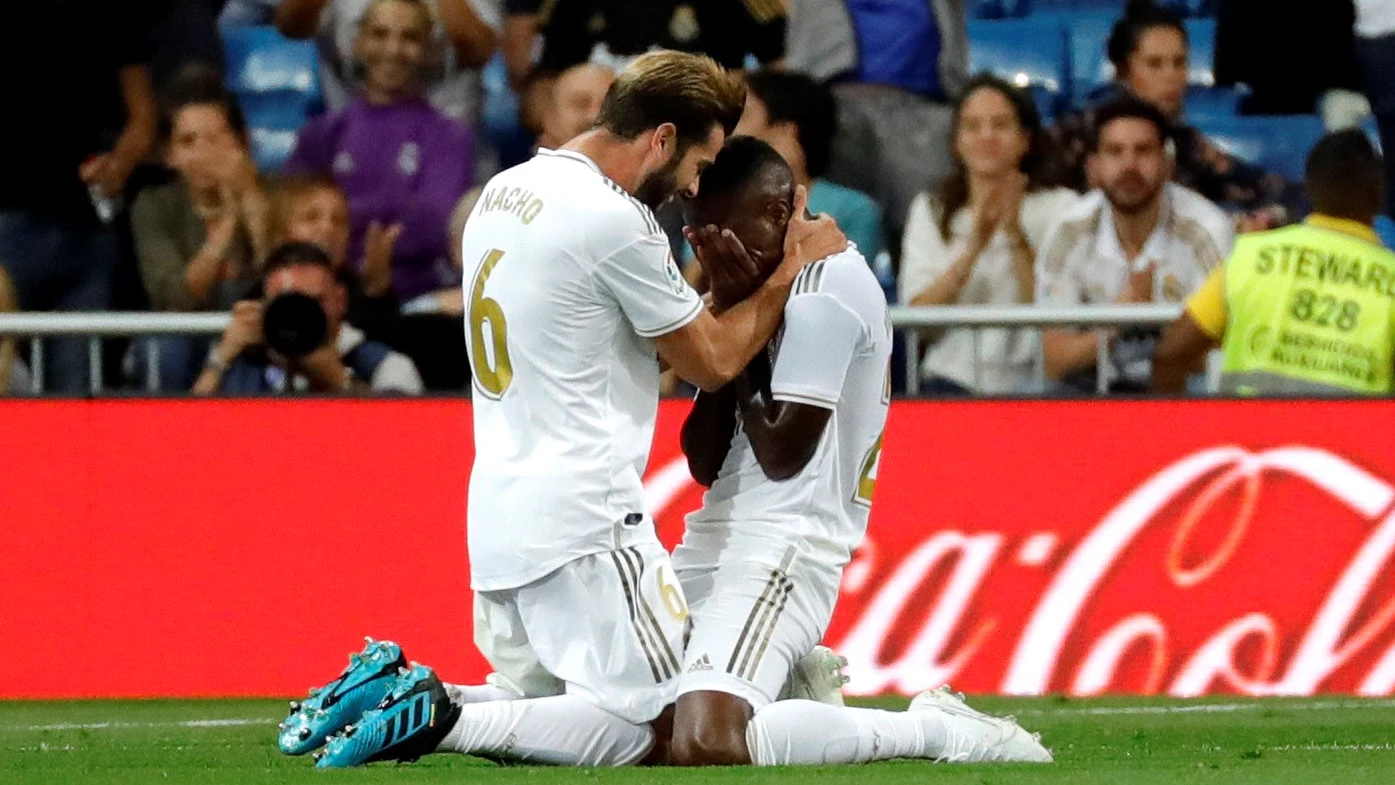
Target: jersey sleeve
644	279
820	340
1207	304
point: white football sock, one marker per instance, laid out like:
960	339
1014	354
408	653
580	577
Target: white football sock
564	730
803	732
478	693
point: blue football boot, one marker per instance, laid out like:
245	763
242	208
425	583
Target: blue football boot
360	687
409	723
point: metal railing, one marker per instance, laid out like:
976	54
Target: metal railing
97	326
1024	316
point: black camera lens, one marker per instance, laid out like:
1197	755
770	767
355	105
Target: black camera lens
294	324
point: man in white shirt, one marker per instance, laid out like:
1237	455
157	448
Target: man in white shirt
790	451
570	292
1137	238
464	39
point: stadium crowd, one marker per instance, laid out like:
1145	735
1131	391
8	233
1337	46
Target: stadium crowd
207	155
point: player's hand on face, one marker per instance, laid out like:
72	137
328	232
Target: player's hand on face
808	239
731	272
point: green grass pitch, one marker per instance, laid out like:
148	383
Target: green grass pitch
1330	741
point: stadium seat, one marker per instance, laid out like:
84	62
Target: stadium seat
1278	143
1113	7
1030	53
499	122
1211	103
1116	7
1000	9
1085	33
277	82
1201	36
1189	7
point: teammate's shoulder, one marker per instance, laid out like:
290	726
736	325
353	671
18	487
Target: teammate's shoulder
607	206
845	276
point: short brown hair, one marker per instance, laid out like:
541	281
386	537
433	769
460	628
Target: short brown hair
691	91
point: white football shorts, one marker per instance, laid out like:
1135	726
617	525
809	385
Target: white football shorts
608	626
751	622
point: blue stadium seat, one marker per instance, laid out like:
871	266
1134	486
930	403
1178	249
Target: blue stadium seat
1278	143
1000	9
1030	53
1086	32
1373	133
499	123
1113	7
1116	7
1189	7
1201	36
1212	103
277	82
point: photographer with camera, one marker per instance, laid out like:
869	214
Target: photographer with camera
295	339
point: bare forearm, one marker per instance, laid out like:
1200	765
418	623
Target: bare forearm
1067	352
519	30
473	40
1170	374
138	96
208	382
202	274
256	219
950	284
707	434
1026	275
299	18
745	329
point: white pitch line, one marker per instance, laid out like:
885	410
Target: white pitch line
228	723
1386	747
1063	711
1208	708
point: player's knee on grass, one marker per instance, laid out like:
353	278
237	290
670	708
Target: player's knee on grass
663	737
709	729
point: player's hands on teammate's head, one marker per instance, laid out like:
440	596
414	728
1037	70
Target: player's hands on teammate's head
731	272
808	238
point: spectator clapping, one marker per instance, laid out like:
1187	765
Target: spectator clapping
974	239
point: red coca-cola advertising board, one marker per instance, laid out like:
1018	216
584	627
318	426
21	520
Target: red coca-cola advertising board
239	548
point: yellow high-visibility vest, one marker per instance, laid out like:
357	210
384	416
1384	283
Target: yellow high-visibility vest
1310	309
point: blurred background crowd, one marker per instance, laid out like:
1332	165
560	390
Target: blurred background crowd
294	160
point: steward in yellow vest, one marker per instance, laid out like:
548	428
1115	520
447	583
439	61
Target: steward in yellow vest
1304	310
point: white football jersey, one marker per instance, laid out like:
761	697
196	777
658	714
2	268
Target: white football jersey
833	351
567	278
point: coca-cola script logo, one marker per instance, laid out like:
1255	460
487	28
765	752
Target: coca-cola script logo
1230	570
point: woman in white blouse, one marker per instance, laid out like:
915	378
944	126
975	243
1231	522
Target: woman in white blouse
973	241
